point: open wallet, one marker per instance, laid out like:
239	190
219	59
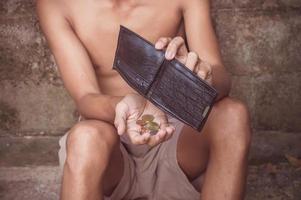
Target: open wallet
168	84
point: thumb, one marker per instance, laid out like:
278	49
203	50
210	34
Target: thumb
120	117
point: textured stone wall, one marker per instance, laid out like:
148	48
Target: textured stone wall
260	42
32	97
261	46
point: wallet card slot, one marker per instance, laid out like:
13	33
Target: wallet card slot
177	97
156	79
189	74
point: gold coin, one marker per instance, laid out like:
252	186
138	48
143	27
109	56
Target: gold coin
152	126
147	117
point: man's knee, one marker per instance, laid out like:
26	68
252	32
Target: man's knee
235	109
89	144
235	127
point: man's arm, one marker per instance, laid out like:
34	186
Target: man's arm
202	40
74	63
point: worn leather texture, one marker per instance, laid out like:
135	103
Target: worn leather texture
168	84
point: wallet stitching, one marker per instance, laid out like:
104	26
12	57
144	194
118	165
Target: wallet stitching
214	92
161	54
140	37
129	82
199	126
151	86
165	108
146	81
116	58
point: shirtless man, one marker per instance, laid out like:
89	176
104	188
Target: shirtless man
82	35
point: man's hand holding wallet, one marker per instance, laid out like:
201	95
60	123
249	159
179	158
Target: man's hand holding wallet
173	81
176	48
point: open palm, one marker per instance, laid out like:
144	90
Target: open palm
130	109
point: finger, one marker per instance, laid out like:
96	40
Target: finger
209	77
169	132
166	136
202	73
203	70
164	125
162	42
209	69
192	60
176	45
137	139
158	138
120	118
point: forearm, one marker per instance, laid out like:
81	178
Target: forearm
97	106
221	81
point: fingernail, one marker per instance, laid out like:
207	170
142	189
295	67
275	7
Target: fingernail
158	45
168	55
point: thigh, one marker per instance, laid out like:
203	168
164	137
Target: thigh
100	131
194	147
192	152
114	171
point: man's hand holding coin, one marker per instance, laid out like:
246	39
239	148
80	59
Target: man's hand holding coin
142	121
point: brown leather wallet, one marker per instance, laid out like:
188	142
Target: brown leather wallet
168	84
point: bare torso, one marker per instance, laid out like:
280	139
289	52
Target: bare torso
96	24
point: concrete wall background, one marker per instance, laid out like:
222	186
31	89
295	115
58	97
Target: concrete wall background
260	42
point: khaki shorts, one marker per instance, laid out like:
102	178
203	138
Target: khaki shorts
150	173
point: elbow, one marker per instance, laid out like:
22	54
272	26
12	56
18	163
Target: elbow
224	87
83	104
80	105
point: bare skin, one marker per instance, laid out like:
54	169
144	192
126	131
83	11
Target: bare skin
82	35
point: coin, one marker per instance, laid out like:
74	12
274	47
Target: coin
147	117
152	126
147	124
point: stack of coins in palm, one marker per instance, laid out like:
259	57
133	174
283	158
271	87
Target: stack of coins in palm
147	124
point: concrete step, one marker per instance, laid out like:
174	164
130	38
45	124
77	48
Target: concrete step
29	183
266	147
43	182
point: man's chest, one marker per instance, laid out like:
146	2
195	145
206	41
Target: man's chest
97	25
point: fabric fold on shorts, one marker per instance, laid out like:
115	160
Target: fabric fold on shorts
149	173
